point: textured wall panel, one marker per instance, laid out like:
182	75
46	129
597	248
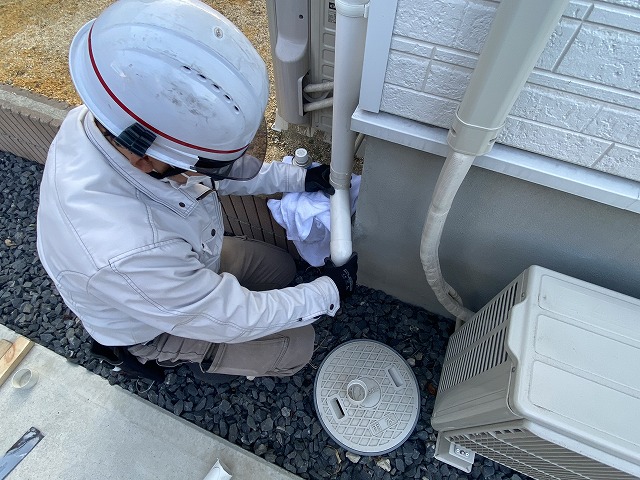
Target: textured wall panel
581	104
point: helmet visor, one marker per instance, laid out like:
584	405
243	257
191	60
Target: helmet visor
243	168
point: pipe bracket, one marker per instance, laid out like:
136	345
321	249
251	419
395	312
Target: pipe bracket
471	139
351	9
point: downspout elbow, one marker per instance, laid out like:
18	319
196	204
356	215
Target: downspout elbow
341	243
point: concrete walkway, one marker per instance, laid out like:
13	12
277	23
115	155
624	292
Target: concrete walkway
93	430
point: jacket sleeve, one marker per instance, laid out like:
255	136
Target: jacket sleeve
166	286
273	177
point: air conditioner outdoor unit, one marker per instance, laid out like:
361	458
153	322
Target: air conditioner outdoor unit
302	37
545	379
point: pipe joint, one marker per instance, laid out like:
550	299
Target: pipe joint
340	181
353	8
471	139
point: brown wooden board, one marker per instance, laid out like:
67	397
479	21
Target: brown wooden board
13	356
270	225
227	225
4	346
263	215
249	215
241	215
251	210
229	213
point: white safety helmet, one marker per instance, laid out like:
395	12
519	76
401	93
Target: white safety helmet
176	80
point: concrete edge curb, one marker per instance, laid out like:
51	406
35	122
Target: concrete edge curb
119	405
28	122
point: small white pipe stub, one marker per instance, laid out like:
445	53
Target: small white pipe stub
301	158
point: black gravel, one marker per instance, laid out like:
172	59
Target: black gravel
270	417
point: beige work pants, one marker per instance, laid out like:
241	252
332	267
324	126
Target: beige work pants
257	266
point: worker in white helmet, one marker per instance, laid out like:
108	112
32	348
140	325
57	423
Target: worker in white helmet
130	227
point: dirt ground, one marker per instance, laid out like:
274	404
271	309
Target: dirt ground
35	36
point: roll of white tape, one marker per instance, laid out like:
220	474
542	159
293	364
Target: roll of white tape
218	472
24	378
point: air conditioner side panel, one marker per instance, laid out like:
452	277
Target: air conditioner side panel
289	37
576	348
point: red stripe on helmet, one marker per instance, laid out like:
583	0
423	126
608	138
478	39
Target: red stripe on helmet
141	121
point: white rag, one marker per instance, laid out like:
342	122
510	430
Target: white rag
306	218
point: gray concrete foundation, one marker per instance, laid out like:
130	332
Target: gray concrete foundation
498	226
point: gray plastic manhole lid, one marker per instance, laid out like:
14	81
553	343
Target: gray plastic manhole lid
367	397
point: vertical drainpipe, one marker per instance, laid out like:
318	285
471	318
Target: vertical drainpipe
518	35
351	27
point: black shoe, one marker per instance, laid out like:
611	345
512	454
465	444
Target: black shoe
212	379
129	364
105	354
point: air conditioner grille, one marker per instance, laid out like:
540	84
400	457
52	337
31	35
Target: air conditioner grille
529	454
479	344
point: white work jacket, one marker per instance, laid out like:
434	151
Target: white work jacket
134	256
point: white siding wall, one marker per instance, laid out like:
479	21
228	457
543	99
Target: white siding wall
580	105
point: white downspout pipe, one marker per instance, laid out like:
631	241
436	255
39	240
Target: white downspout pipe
519	33
351	27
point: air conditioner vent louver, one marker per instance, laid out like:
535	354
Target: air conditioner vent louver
481	341
527	453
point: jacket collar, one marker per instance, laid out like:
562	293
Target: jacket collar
179	200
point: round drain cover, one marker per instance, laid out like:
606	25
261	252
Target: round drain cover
367	397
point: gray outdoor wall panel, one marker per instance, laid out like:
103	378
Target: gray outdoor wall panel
497	227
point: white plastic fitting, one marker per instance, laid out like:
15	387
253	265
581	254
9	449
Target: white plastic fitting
301	158
341	246
353	8
218	472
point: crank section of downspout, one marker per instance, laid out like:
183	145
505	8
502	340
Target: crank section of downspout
518	35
